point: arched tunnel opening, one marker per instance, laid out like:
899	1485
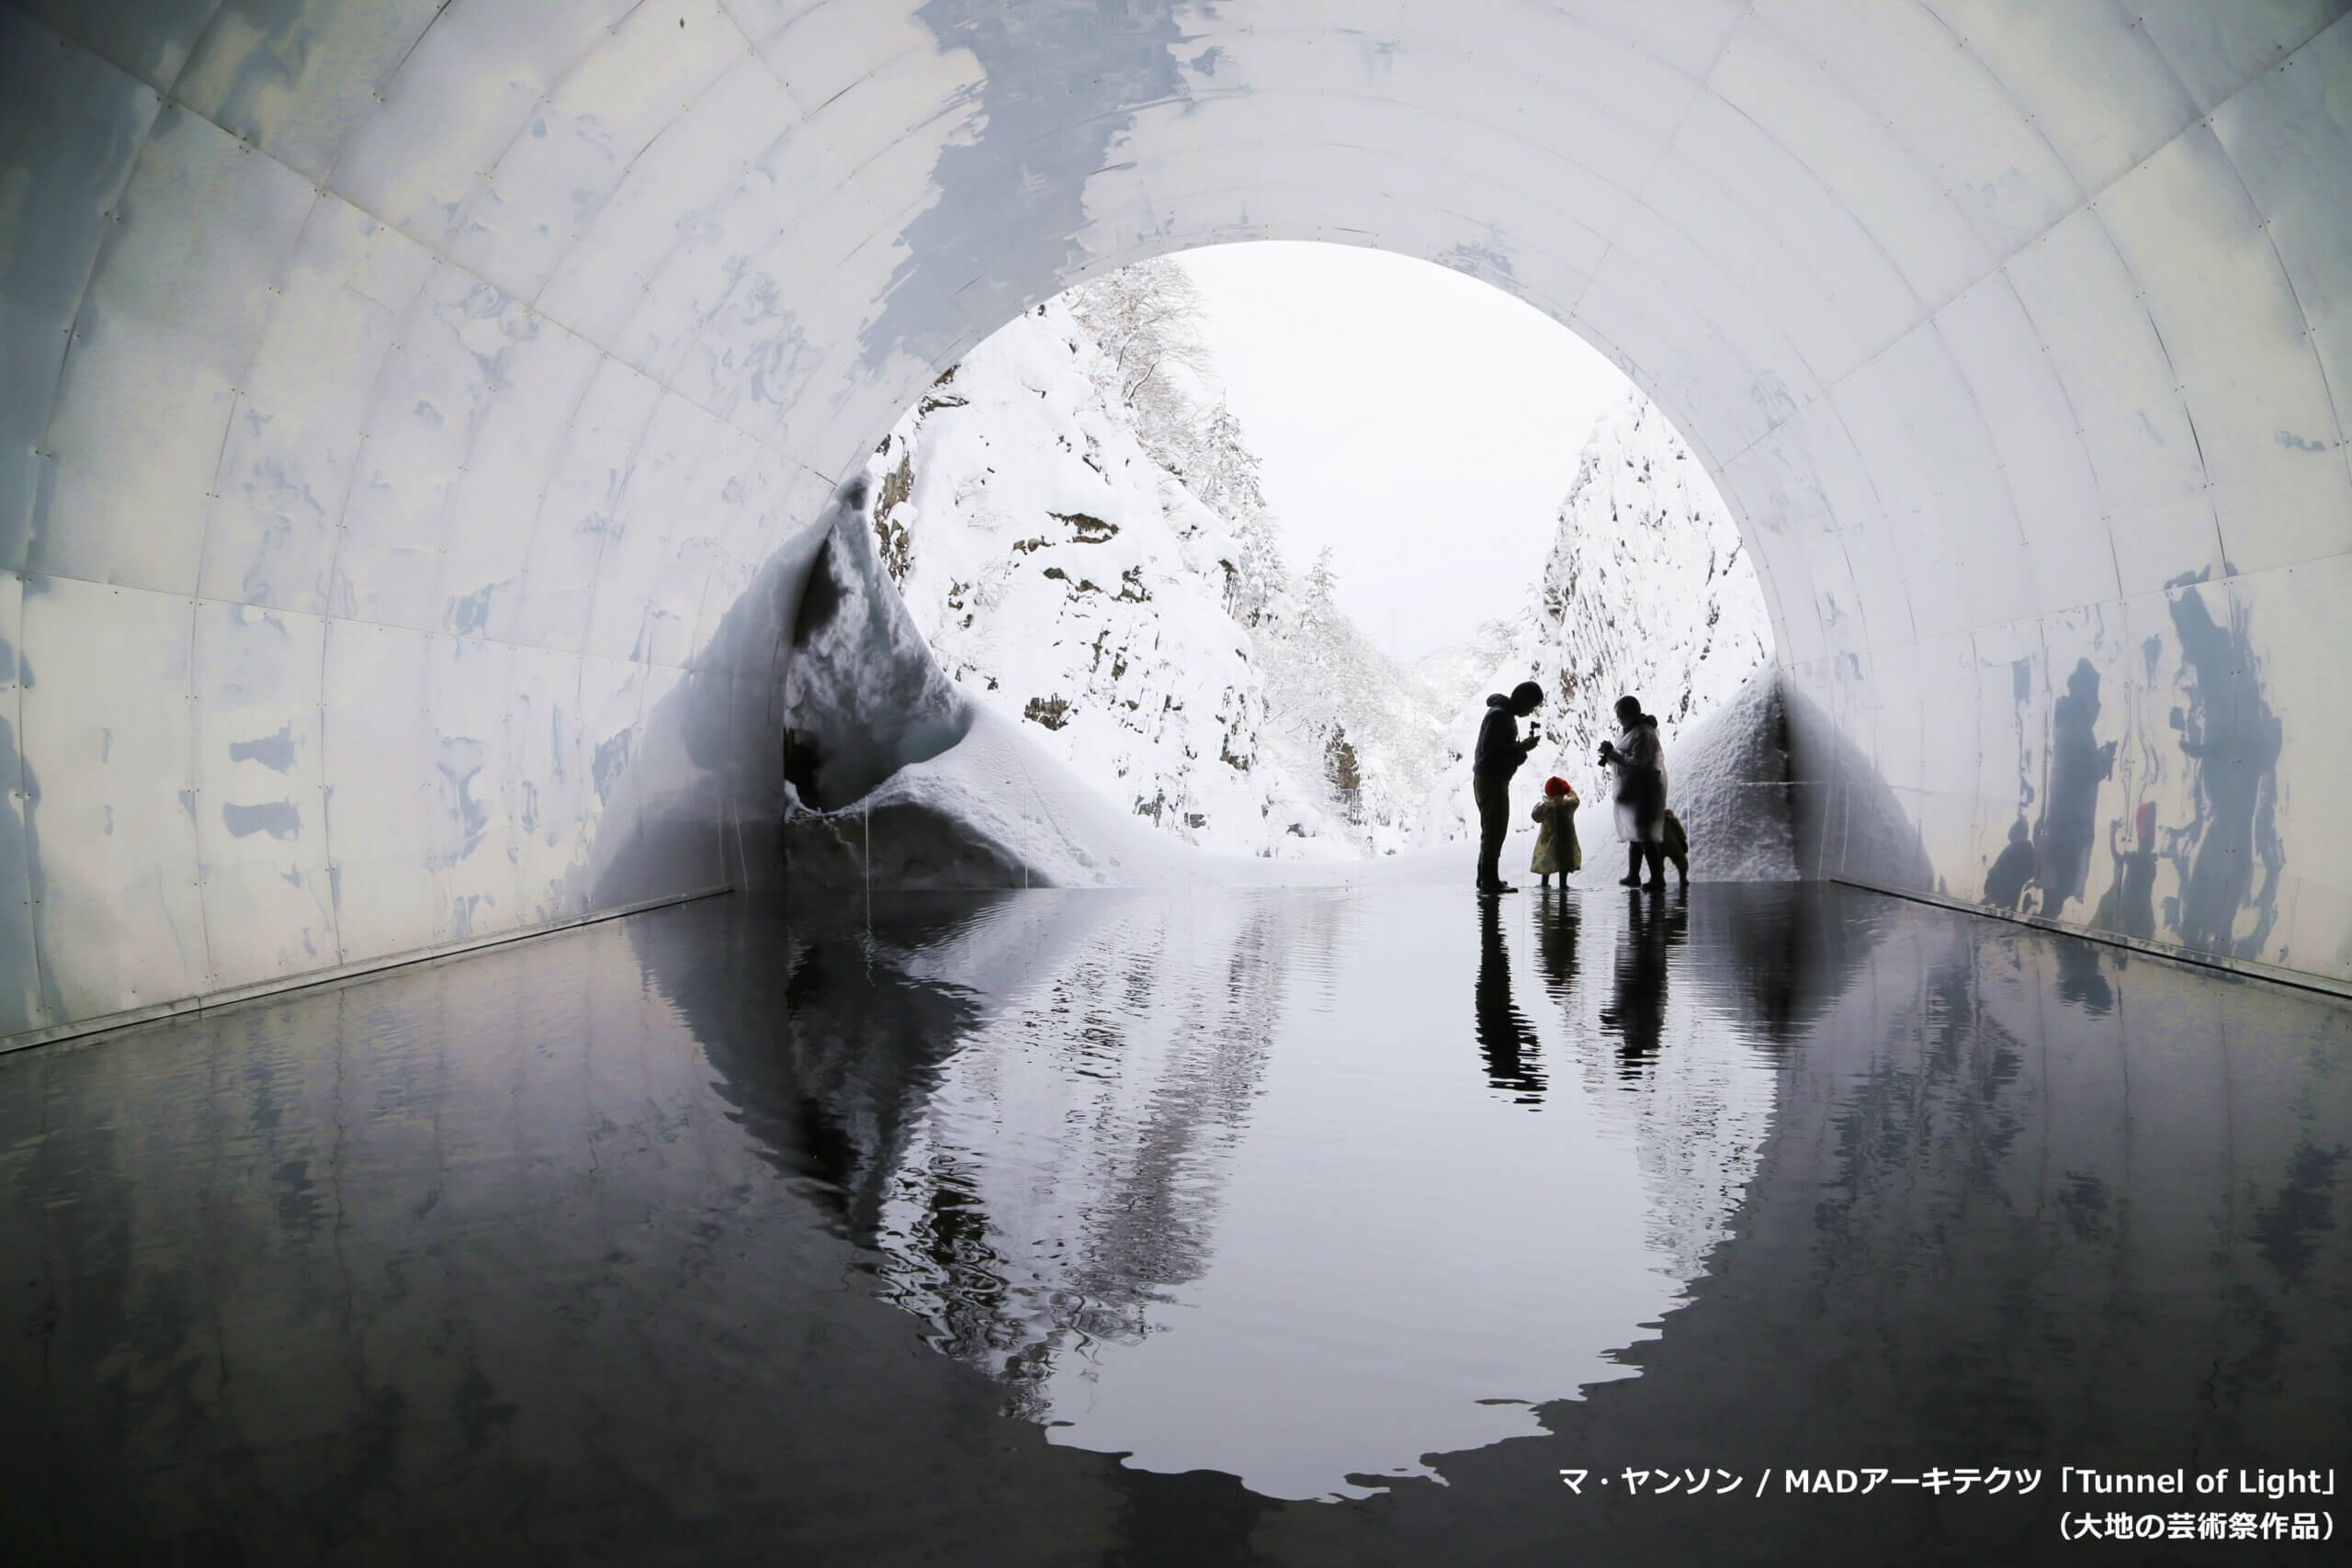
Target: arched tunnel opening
1154	589
433	507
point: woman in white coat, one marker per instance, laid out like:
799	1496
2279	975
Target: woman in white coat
1639	762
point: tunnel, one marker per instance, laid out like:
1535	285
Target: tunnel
429	498
421	420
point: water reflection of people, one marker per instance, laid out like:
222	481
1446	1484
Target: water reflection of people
1506	1040
2078	764
1637	1009
1556	921
2079	979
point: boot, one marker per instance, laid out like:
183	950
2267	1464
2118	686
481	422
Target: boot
1632	877
1656	853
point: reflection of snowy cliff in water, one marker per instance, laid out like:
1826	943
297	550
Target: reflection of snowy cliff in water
1066	1175
1203	1177
1651	1058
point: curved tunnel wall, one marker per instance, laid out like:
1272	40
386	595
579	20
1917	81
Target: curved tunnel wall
417	419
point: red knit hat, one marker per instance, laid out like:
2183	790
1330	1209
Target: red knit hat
1555	787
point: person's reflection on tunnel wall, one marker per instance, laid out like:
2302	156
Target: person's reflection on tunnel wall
2129	906
2214	821
2005	884
2233	740
2078	765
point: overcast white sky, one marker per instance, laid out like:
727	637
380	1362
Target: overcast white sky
1422	424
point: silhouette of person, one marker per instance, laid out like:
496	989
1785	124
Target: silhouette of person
1556	923
1637	1009
2129	906
2233	737
1498	752
2012	869
1639	765
2078	765
1506	1039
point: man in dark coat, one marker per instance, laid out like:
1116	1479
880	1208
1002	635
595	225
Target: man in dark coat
1498	755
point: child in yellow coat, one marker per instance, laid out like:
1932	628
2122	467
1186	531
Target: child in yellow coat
1555	842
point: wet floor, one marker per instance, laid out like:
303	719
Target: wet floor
1294	1226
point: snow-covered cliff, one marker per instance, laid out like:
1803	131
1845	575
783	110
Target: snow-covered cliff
1072	584
1084	548
1648	591
1095	566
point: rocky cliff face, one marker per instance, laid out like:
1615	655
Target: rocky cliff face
1071	582
1075	584
1648	591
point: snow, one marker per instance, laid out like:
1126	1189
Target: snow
1025	809
1051	541
1036	823
1648	591
863	697
1073	587
1035	656
1460	672
1730	787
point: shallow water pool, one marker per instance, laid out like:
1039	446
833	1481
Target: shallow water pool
1278	1225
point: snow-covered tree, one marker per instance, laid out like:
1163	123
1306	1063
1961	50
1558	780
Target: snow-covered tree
1224	472
1147	320
1255	575
1647	593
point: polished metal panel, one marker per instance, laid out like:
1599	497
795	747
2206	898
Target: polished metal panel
106	712
23	1005
179	291
442	401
